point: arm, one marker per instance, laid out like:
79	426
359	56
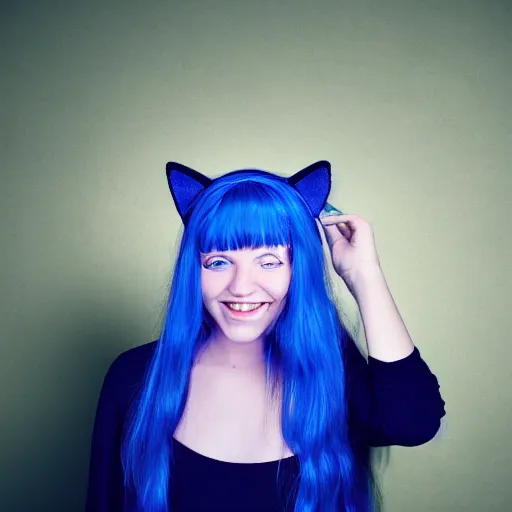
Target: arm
407	402
386	335
392	403
394	398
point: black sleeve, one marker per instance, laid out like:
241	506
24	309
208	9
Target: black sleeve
392	403
105	490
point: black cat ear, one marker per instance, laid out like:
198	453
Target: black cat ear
185	184
313	184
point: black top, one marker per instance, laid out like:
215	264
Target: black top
389	403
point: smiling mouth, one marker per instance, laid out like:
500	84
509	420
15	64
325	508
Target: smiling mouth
244	308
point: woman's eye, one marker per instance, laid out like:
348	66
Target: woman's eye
214	264
220	263
272	264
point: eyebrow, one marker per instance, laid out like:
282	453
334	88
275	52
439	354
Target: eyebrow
256	258
267	254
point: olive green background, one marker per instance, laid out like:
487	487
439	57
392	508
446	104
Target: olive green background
409	100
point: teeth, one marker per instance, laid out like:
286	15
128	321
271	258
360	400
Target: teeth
243	307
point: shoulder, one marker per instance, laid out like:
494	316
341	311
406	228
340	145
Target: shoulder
126	374
133	360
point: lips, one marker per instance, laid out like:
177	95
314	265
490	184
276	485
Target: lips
242	314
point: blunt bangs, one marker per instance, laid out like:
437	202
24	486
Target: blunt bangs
248	215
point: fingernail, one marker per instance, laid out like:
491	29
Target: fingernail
329	209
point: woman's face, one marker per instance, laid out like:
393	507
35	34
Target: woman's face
234	281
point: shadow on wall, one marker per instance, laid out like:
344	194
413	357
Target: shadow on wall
48	469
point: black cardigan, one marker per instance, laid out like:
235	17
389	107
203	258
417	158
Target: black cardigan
389	403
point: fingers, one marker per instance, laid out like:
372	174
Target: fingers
345	230
337	227
332	234
337	219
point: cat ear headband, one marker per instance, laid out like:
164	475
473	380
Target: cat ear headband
313	183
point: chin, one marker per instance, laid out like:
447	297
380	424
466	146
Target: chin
242	337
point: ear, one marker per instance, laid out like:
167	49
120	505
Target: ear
313	184
185	184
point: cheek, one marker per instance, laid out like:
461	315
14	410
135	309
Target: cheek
211	285
207	286
279	286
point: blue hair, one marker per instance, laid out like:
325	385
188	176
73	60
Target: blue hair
304	351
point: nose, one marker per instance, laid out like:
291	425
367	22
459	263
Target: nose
242	283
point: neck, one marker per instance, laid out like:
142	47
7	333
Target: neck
222	352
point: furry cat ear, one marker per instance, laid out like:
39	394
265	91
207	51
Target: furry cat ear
185	184
313	184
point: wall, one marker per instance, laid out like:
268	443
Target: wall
409	100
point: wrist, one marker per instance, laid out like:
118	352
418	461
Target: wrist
361	280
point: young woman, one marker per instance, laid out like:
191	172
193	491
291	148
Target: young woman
255	396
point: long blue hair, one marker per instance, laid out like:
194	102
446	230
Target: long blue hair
304	351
